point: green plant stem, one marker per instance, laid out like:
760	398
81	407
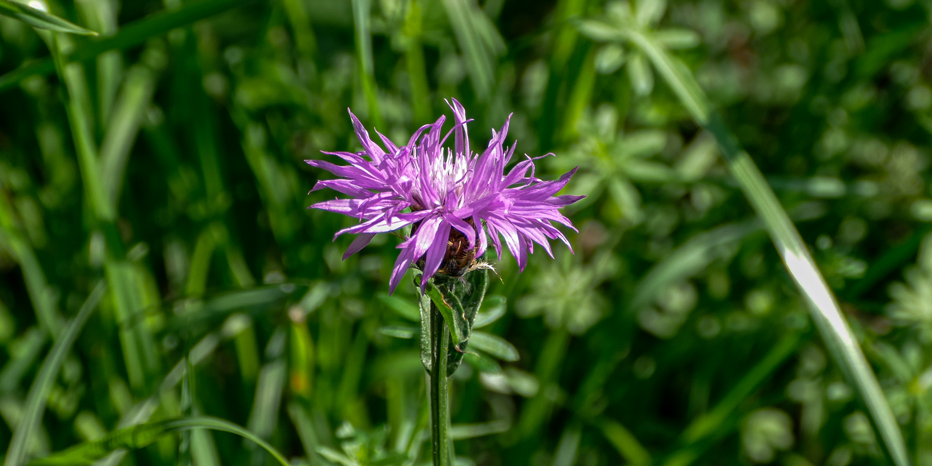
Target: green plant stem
437	387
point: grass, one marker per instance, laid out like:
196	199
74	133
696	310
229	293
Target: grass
162	279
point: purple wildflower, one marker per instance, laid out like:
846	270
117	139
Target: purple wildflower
450	197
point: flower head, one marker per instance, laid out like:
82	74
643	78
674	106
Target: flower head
455	200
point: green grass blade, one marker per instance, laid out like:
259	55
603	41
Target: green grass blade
706	427
42	385
687	260
479	40
624	441
128	113
13	240
145	434
822	304
132	34
362	10
143	410
40	19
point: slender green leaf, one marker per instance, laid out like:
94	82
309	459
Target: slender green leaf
687	260
465	431
362	20
400	331
625	442
401	306
133	101
40	19
494	308
142	435
42	385
452	309
649	12
478	40
642	79
494	345
130	35
482	363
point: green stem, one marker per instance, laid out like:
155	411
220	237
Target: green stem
437	386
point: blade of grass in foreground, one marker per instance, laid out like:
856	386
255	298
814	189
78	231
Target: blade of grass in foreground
39	392
145	434
822	304
40	19
132	34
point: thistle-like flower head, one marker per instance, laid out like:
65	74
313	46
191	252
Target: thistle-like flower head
455	200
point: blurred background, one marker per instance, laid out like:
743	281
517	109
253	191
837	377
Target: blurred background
165	158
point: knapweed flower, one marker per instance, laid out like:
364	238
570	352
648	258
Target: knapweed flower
450	197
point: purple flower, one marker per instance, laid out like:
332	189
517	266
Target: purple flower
451	197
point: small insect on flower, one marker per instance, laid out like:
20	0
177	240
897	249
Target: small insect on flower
455	200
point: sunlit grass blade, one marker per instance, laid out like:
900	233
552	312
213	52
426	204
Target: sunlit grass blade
40	19
130	35
142	435
42	385
824	309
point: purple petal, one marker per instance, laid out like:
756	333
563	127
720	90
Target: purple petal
344	186
371	148
463	228
401	264
483	239
462	134
388	143
384	223
358	243
435	253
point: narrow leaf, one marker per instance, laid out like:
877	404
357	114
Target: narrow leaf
400	331
40	19
453	312
482	363
495	346
132	34
494	308
642	80
599	30
401	306
42	386
145	434
425	303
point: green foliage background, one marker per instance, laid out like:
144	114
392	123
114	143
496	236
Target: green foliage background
162	160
